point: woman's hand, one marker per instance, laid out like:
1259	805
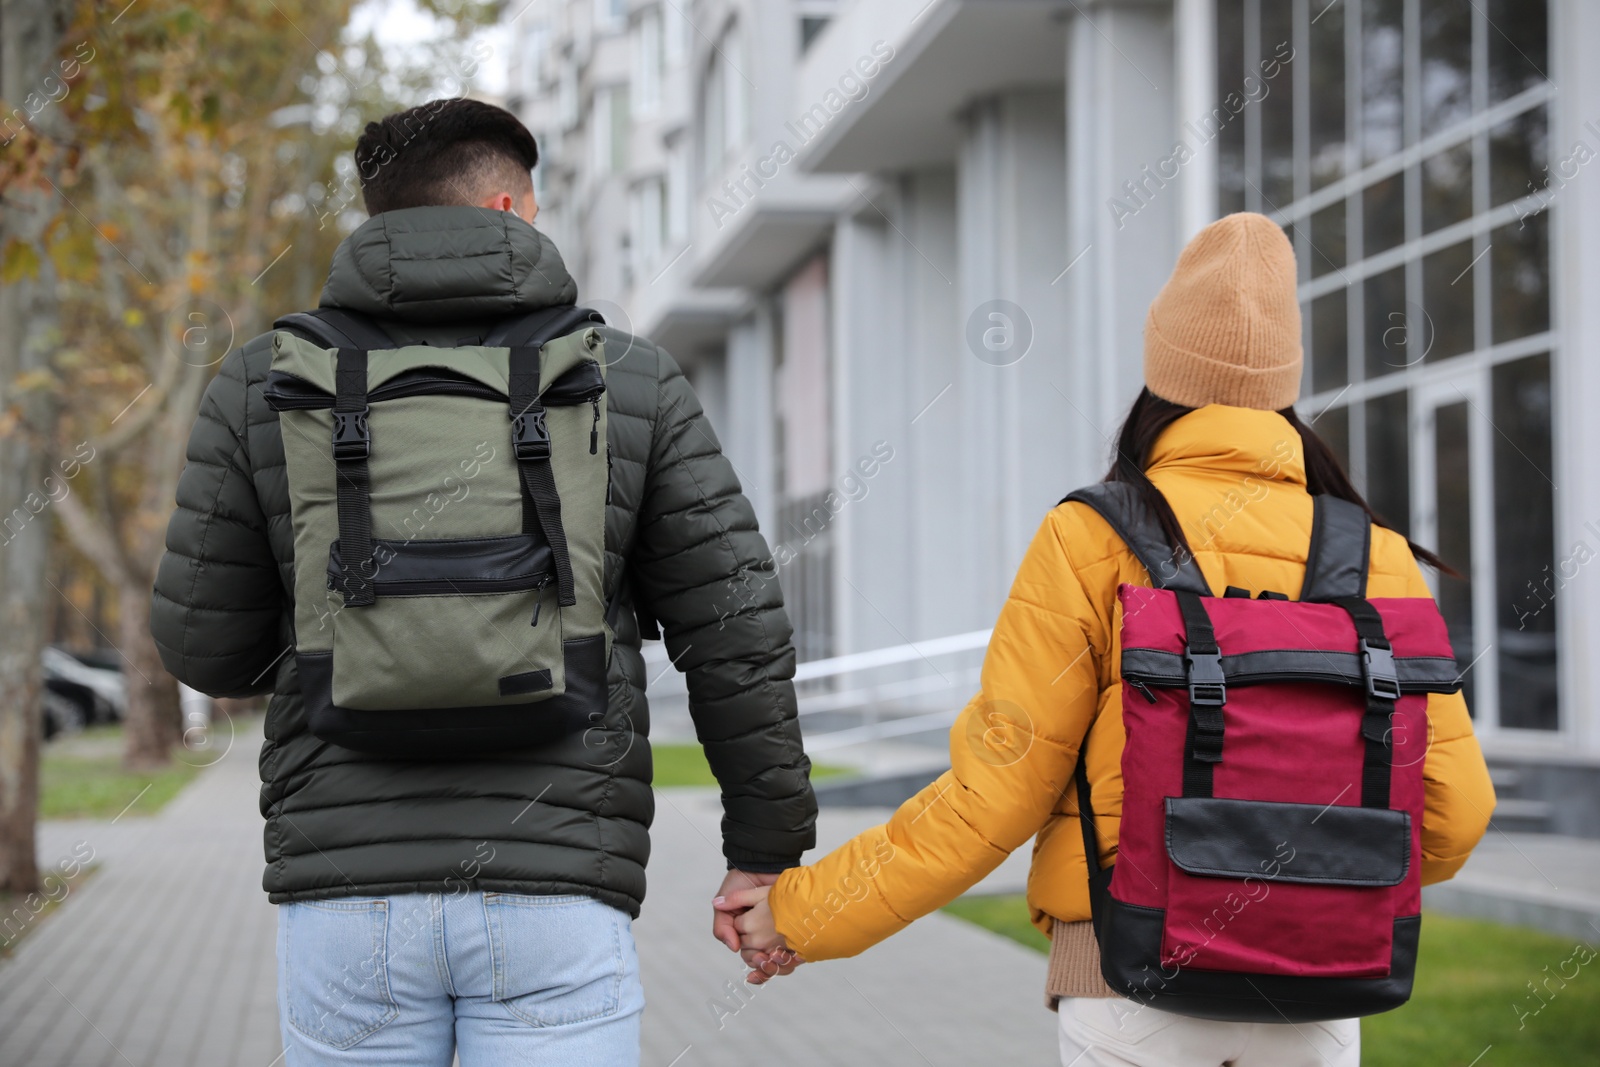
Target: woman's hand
721	921
761	946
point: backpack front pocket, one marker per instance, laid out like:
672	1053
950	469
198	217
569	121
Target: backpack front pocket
455	623
1264	887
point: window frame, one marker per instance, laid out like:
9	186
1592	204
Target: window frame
1469	373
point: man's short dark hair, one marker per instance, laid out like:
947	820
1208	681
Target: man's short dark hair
449	151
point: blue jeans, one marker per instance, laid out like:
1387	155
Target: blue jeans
405	981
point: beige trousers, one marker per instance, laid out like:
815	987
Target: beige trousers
1113	1032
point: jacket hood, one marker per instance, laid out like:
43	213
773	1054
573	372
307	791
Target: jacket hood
1235	441
442	264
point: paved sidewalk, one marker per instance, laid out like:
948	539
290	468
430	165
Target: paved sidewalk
942	992
164	957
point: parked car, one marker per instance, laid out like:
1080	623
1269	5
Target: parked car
87	689
97	692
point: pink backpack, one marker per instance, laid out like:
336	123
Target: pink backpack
1269	859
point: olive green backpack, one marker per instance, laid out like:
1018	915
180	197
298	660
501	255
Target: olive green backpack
449	530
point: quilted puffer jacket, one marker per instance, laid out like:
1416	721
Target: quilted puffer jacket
569	817
1052	666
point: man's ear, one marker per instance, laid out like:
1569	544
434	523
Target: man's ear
499	202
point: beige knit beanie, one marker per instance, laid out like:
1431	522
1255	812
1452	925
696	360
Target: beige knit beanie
1225	329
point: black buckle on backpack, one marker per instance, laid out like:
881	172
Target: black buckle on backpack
530	434
1377	665
351	437
1207	684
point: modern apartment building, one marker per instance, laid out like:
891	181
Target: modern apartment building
904	249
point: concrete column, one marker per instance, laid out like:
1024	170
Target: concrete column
902	558
931	353
746	427
1013	369
875	580
1195	45
708	376
1123	219
1575	276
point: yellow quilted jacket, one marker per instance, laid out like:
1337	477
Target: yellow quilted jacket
1236	480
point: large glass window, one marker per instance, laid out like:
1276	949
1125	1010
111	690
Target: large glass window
1525	543
610	15
648	59
1452	474
609	130
1404	146
649	225
808	500
724	103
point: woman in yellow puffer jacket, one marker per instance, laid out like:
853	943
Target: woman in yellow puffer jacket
1216	434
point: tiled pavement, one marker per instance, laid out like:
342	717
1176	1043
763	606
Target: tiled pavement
164	956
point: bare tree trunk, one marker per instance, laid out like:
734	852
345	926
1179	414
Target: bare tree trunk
24	558
151	727
30	34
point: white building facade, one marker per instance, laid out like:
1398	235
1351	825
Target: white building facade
904	249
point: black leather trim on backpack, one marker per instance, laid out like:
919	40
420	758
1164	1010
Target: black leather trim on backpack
649	629
1130	961
526	682
436	732
1119	504
336	328
1160	669
540	326
1340	552
446	567
1330	844
1099	877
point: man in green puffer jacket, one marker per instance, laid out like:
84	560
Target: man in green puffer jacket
483	903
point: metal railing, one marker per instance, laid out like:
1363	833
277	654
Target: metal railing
860	697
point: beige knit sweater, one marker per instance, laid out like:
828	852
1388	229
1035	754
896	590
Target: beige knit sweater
1074	964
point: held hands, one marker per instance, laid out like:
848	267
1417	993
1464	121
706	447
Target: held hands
750	928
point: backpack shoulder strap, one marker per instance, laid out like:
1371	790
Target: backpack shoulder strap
1119	504
1341	548
541	326
336	328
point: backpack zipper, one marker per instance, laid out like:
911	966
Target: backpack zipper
538	601
462	586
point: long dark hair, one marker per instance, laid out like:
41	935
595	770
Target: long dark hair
1150	415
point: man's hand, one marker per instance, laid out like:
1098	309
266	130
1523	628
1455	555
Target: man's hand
722	927
763	949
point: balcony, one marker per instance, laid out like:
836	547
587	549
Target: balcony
946	54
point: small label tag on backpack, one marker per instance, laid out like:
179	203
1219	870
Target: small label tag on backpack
527	682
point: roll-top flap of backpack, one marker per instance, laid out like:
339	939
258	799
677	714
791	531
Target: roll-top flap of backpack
1151	620
292	354
1312	844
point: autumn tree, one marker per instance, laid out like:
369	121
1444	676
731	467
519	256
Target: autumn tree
199	183
30	37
